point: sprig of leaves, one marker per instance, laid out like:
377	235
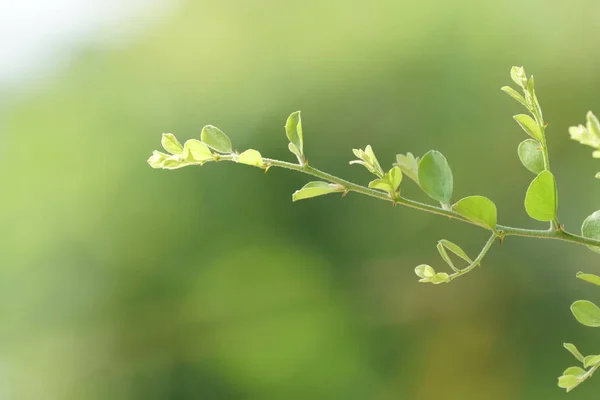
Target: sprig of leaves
432	173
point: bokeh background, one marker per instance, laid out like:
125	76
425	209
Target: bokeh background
118	281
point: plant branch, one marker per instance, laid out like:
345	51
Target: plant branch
353	187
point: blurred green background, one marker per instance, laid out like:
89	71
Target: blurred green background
118	281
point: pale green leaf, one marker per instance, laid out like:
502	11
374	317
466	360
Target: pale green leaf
394	177
518	76
591	278
175	161
171	144
455	249
251	157
514	94
541	201
440	277
409	165
593	125
196	151
575	371
568	382
381	184
478	209
425	272
368	159
157	159
294	150
293	131
313	189
591	361
442	250
531	155
586	312
529	126
435	177
573	350
214	138
591	229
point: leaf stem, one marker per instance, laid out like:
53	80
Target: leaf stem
477	261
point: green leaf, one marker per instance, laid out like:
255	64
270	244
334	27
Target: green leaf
529	126
591	229
541	200
175	161
440	277
591	361
381	184
514	94
593	125
435	177
171	144
518	76
368	159
214	138
442	250
157	159
313	189
591	278
293	131
587	313
196	151
478	209
574	371
568	382
251	157
409	165
573	350
394	177
455	249
425	272
531	155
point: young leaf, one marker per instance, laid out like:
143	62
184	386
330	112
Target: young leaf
440	277
593	125
591	229
409	165
435	177
251	157
591	278
196	151
171	144
541	200
381	184
425	272
455	249
313	189
394	177
587	313
368	159
293	131
591	361
514	94
568	382
442	250
529	126
573	350
531	156
214	138
174	161
478	209
518	76
574	371
157	159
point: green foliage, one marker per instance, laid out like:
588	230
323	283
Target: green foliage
531	155
541	199
478	209
434	176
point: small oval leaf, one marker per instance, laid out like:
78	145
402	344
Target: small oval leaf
196	151
568	382
573	350
435	176
591	229
251	157
591	278
478	209
541	200
514	94
531	155
456	249
214	138
587	313
293	131
157	159
313	189
424	271
529	126
591	361
171	144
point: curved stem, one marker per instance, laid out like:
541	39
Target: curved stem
477	261
556	234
